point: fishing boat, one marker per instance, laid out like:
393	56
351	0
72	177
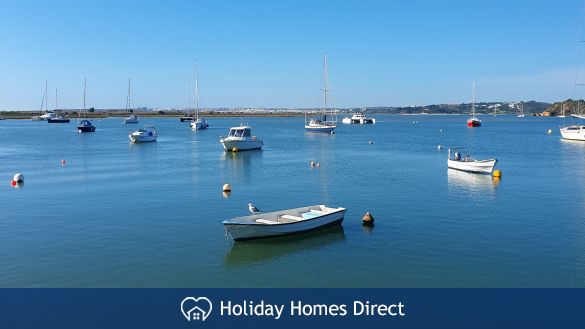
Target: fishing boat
468	164
473	121
84	125
358	118
317	125
144	135
131	118
283	222
199	123
240	139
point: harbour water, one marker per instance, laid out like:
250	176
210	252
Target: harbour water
149	215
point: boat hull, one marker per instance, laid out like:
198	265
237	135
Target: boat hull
58	120
184	119
241	145
364	121
86	129
477	166
199	125
575	133
243	232
319	129
473	123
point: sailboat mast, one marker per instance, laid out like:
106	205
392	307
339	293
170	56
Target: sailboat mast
197	90
128	97
325	85
84	88
46	97
473	101
56	100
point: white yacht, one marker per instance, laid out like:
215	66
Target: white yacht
358	118
240	139
147	134
199	123
574	132
47	114
324	126
131	118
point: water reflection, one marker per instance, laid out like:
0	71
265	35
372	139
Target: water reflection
267	249
240	164
466	184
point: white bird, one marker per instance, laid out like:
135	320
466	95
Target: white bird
253	209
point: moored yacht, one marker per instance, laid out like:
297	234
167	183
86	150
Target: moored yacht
84	125
131	118
322	126
199	123
574	132
473	121
144	135
240	139
358	118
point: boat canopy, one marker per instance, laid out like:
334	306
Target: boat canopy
240	132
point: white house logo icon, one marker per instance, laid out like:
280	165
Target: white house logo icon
196	308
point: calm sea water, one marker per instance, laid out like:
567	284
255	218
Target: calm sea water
149	215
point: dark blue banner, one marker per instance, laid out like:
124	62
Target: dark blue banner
292	308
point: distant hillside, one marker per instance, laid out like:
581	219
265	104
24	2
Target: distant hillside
530	108
570	106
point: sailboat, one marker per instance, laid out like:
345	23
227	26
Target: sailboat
316	125
85	125
131	118
562	111
199	123
58	116
574	132
47	113
521	109
188	117
473	121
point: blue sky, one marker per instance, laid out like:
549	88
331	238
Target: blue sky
269	53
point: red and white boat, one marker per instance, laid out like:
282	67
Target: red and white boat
473	121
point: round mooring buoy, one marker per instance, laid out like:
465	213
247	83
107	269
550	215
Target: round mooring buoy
312	164
549	131
235	149
18	178
368	219
370	142
63	162
497	173
227	188
439	147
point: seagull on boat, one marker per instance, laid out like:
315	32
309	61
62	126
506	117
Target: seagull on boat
253	209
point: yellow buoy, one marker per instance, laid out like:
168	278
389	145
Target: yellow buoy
549	131
235	149
368	219
227	188
497	173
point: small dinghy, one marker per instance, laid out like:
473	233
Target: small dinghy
466	163
283	222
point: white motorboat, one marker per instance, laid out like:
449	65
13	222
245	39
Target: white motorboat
284	222
358	118
323	126
147	134
466	163
240	139
131	118
198	123
574	132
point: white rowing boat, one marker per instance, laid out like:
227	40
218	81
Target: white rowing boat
283	222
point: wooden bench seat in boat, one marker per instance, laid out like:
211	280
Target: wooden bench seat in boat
295	218
266	221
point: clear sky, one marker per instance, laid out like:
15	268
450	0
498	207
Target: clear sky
269	53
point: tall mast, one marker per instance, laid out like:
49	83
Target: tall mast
473	101
84	87
56	100
46	97
197	89
128	97
325	85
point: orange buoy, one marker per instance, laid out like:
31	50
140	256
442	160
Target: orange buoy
368	219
